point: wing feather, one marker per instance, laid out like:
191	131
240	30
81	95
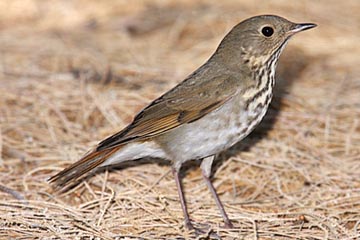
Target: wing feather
183	104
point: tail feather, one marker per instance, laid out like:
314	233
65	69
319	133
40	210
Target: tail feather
87	163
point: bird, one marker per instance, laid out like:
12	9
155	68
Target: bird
213	108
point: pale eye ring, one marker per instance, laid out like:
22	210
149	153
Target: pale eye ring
267	31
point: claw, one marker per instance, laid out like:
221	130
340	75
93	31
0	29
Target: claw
228	225
188	225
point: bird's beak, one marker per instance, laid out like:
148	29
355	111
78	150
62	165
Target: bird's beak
299	27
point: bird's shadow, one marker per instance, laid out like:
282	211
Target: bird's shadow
291	65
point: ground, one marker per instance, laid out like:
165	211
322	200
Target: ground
74	72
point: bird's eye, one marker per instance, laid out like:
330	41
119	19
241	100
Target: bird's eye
267	31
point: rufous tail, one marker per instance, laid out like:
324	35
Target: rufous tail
87	163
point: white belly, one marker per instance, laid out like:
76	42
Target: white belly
207	136
213	133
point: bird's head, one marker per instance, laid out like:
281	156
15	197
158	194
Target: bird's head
256	39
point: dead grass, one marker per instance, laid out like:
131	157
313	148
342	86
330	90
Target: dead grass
73	72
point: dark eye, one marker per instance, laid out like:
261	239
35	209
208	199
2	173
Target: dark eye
267	31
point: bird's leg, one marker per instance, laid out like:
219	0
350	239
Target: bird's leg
206	172
187	221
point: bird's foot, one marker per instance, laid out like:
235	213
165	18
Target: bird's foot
202	231
188	225
228	225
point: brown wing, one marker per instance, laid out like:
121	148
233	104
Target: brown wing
183	104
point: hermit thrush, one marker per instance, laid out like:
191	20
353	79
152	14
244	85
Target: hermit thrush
212	109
